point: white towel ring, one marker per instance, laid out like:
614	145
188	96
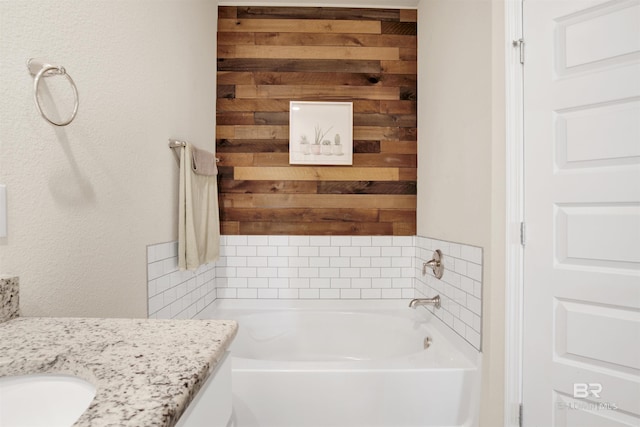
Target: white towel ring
43	69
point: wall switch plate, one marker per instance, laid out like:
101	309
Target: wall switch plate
3	210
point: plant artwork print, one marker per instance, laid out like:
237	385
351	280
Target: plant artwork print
321	133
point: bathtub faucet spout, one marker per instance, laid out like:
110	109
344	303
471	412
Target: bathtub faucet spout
425	301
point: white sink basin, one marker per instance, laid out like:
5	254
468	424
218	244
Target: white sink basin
43	400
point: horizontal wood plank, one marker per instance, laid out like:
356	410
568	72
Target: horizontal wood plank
317	173
236	159
408	134
319	228
282	118
264	159
296	215
399	147
268	187
408	15
398	107
229	227
386	120
298	92
234	118
366	146
310	52
404	229
271	159
252	132
227	12
300	26
226	91
306	65
376	133
235	39
320	79
262	132
318	201
409	93
271	118
235	78
252	105
275	105
324	39
399	67
225	172
366	105
252	146
385	160
408	174
324	79
398	215
367	187
225	132
333	13
404	28
408	54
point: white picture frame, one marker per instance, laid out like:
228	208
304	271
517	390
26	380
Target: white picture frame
320	133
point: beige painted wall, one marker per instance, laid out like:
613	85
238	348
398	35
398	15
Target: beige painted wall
461	155
86	199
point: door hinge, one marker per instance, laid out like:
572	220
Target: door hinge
520	416
523	233
520	45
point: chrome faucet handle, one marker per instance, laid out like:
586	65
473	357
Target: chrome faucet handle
437	301
436	264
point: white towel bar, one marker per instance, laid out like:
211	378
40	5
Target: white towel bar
175	143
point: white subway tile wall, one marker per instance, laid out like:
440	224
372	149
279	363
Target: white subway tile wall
304	267
322	267
460	288
175	294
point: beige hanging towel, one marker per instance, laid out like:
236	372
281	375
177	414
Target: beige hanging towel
198	218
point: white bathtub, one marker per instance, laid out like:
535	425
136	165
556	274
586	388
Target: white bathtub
347	364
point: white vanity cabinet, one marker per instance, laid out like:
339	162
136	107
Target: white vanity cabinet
212	406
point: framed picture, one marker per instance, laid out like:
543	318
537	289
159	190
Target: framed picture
320	133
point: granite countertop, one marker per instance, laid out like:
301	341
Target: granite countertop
146	371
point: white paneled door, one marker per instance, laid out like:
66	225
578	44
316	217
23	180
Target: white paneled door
581	365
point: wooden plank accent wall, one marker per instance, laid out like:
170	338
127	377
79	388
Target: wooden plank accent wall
268	56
